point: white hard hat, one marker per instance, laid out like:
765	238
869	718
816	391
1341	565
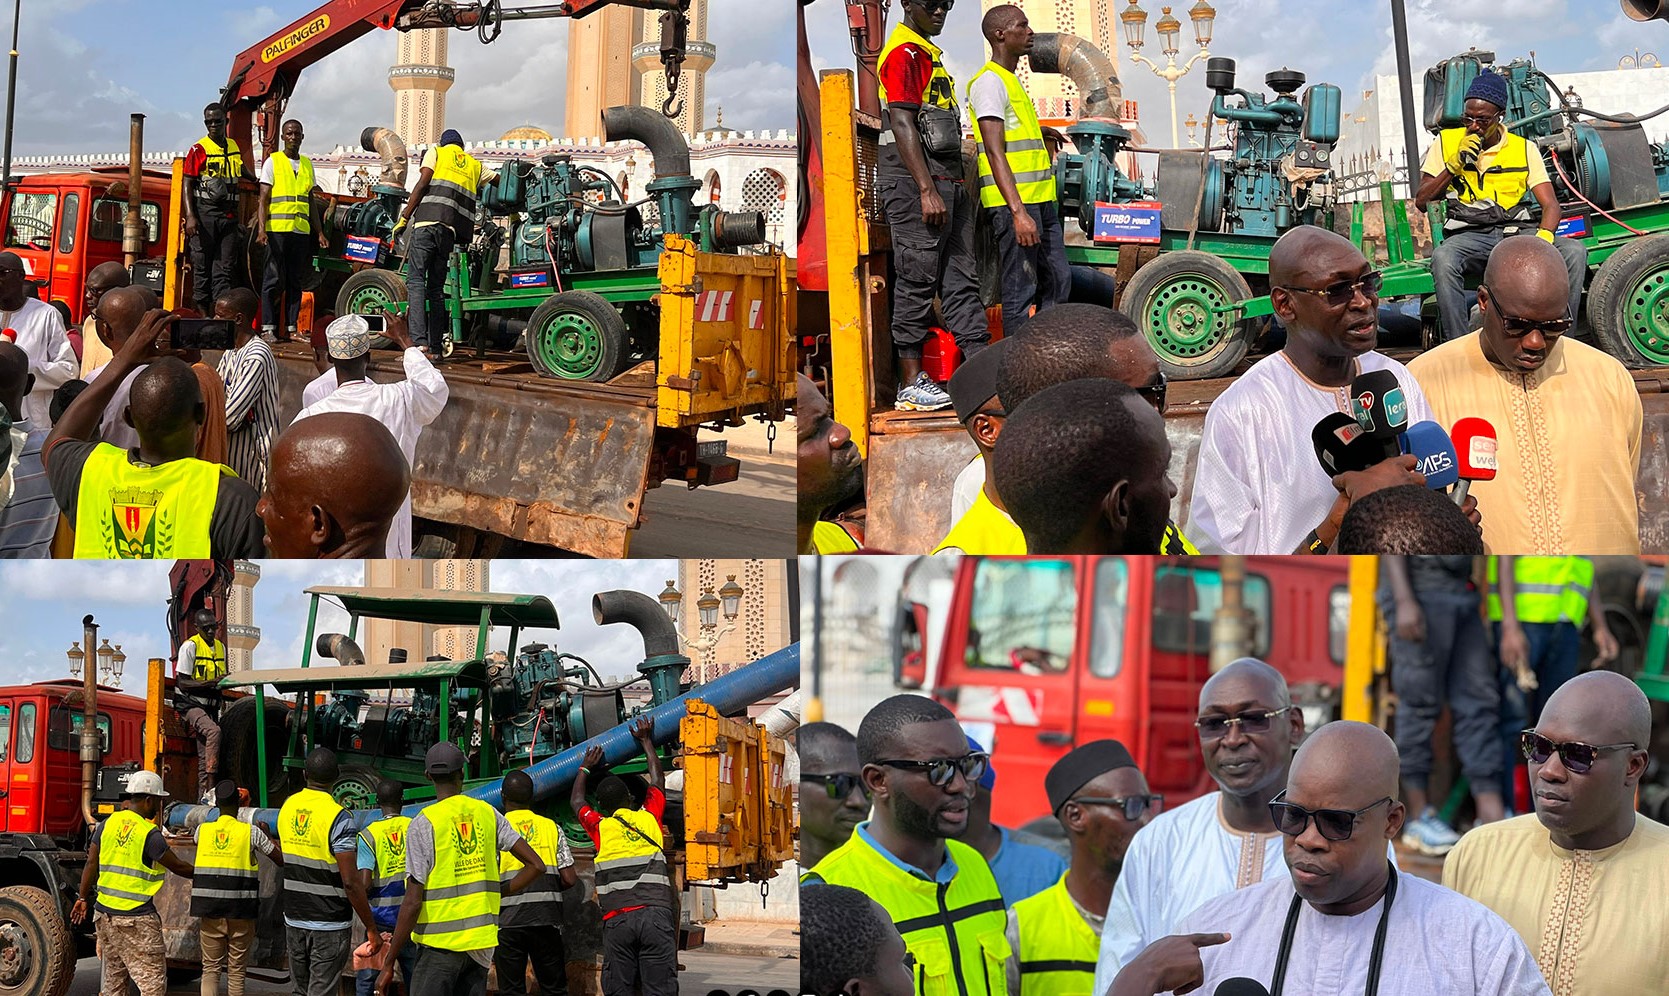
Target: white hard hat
145	783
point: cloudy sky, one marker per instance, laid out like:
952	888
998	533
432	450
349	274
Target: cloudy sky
45	601
85	65
1347	42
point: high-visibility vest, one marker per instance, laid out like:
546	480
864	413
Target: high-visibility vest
631	866
955	930
1058	950
227	882
291	204
1176	544
127	512
313	887
387	838
461	898
541	902
1546	589
829	537
1507	180
986	530
223	161
125	882
210	663
941	89
1023	147
450	198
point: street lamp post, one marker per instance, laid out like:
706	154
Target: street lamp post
11	101
708	607
1134	19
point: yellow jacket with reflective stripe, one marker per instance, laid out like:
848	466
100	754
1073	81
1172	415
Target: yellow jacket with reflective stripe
387	838
631	866
1023	146
984	529
223	161
1176	544
210	663
941	89
313	887
1058	949
540	902
450	198
1506	181
461	898
1547	589
125	882
955	930
291	204
227	880
829	537
127	512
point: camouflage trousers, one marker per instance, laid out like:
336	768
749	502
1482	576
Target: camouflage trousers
131	948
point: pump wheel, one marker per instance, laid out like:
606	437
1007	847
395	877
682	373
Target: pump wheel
1175	299
37	954
1628	302
577	335
356	787
368	292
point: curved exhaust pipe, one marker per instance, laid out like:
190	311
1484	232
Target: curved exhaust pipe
638	610
339	649
388	144
1646	10
669	150
1089	69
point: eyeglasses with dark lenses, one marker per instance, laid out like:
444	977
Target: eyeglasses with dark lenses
1133	806
1578	758
933	6
838	786
1334	824
1342	293
1213	727
1154	393
1518	328
1480	119
939	771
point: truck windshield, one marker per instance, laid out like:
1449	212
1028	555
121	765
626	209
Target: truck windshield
1186	599
1022	616
30	223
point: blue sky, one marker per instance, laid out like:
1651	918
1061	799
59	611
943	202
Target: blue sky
45	600
85	65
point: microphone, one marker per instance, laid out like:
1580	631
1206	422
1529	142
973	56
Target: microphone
1377	401
1475	451
1240	987
1435	454
1342	446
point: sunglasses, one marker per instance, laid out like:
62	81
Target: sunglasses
1132	805
1578	758
1334	824
1342	293
838	786
1480	119
1214	727
1518	328
940	771
933	6
1154	393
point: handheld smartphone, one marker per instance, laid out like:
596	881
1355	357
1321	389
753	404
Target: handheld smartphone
375	324
203	333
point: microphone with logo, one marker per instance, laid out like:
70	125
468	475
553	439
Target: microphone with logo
1240	987
1475	451
1434	454
1342	445
1377	401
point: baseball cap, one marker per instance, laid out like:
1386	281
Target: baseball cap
443	759
145	783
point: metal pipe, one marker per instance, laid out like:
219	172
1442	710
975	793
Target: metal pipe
11	97
152	760
89	718
660	635
388	144
667	148
1099	93
1405	91
133	229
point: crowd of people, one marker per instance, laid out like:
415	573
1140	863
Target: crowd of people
1286	875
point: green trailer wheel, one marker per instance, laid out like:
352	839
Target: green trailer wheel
577	335
369	292
356	787
1628	302
1177	299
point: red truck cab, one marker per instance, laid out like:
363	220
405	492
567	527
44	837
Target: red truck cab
40	761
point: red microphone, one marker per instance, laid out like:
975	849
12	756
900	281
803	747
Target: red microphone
1475	450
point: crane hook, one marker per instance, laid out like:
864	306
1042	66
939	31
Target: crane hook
672	107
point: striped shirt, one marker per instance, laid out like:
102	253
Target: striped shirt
251	376
31	517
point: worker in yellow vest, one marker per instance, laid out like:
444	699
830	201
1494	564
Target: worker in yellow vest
213	168
939	892
634	882
441	209
381	860
1016	178
199	666
454	850
289	225
126	860
530	923
226	891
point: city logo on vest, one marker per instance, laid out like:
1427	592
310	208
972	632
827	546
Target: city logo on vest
396	842
134	514
299	823
468	843
222	839
529	831
124	833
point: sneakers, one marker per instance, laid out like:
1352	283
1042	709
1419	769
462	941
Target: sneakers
1430	835
922	395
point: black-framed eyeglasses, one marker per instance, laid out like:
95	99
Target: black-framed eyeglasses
838	786
1337	295
933	6
1133	806
1334	824
1154	393
1518	328
1578	758
940	770
1213	727
1481	119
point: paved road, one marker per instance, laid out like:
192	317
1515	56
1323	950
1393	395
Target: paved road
752	517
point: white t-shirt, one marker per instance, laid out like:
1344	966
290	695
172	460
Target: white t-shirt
966	489
40	334
989	99
113	429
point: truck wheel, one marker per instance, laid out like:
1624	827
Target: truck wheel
238	752
370	291
1174	299
1628	303
356	787
577	335
37	953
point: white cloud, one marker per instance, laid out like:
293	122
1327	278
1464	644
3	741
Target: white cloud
84	583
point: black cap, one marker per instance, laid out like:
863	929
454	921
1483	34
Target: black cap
1081	766
975	381
443	759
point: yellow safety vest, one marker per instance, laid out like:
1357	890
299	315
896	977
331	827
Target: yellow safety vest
387	838
291	204
941	89
226	162
210	663
1058	950
986	530
539	903
313	887
1506	181
125	882
129	512
1546	589
1175	544
955	930
228	881
829	537
450	199
631	866
1023	147
461	897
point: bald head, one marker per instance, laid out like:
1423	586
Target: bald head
103	277
1305	251
1343	760
14	378
999	19
1528	277
1245	680
165	401
335	484
120	310
1606	706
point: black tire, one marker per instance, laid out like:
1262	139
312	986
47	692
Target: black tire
368	289
1628	303
578	335
40	951
238	754
356	786
1167	299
